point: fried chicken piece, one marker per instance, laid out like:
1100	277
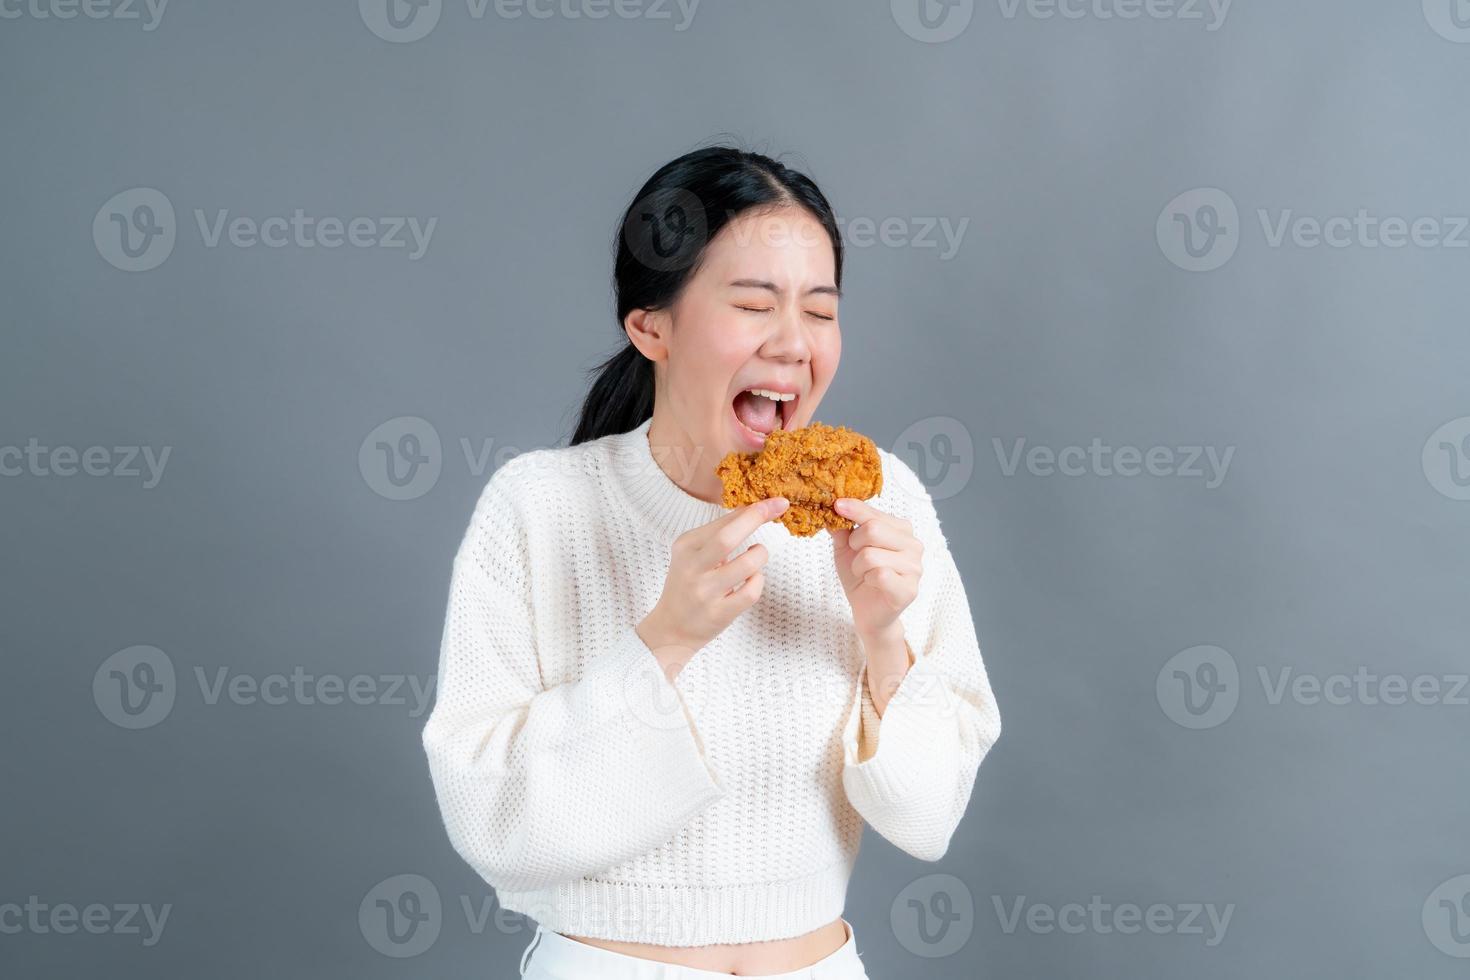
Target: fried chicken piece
811	467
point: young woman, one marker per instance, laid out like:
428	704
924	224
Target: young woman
660	724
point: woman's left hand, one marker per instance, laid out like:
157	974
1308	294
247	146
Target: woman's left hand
879	563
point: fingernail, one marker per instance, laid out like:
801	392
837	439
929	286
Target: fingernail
776	504
840	504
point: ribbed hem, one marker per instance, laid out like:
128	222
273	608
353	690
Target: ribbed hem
686	915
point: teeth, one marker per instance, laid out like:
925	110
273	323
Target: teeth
773	395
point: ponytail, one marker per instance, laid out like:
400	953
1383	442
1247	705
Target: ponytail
621	397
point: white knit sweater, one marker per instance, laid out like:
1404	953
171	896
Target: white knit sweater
602	800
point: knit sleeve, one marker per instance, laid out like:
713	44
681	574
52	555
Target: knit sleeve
538	785
940	721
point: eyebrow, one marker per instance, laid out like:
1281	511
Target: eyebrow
763	284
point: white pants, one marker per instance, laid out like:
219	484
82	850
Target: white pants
553	956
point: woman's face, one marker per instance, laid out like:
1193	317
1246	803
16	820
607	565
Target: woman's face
761	312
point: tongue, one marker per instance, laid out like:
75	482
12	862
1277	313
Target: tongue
756	412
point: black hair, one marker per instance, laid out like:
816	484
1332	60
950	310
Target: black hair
661	242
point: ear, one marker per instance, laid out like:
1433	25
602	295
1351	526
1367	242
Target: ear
648	330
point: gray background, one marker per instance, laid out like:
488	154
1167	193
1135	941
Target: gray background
1333	831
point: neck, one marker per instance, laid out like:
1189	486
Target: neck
690	466
654	489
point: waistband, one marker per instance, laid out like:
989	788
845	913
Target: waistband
579	958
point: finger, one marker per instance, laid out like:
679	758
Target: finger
869	559
859	510
884	532
896	588
740	568
725	533
748	591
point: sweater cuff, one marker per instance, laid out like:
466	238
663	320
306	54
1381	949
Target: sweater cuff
917	736
625	694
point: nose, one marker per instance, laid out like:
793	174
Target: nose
788	340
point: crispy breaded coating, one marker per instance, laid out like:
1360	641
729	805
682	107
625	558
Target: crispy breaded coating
811	467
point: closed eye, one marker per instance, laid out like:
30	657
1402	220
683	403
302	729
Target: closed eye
768	309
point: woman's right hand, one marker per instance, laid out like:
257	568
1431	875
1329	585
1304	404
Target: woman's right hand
703	592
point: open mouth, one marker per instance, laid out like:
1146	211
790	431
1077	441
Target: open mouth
761	411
